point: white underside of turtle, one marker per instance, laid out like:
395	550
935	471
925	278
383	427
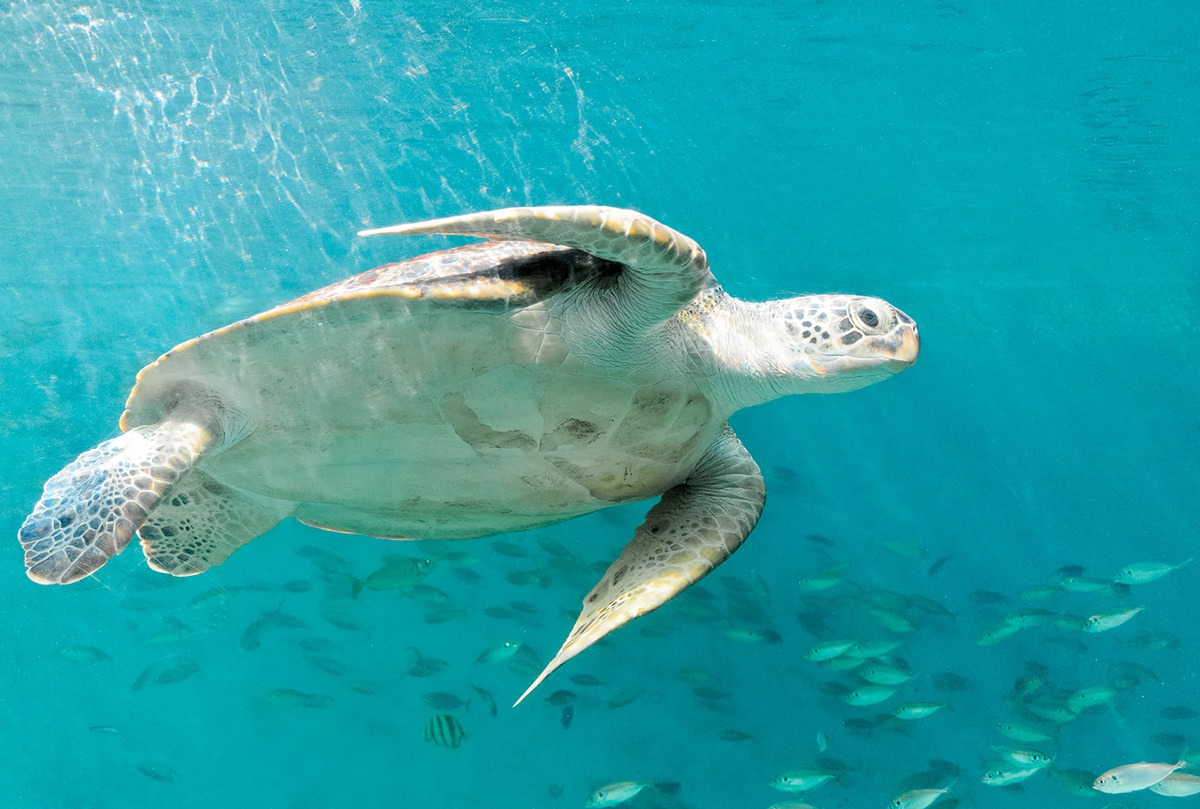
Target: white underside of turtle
584	358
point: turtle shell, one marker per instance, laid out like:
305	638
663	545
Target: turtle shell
452	395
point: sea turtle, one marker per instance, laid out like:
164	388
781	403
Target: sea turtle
584	357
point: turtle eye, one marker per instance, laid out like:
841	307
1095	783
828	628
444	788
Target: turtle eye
867	318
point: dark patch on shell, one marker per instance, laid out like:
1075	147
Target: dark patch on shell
537	270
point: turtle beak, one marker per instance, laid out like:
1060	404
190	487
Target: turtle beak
904	345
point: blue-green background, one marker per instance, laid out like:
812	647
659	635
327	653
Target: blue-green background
1023	178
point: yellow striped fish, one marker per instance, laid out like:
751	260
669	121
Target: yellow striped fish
445	730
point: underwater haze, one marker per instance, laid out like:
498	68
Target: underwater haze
1000	533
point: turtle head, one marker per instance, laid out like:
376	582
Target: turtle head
835	343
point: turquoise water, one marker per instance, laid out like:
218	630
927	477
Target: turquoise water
1023	180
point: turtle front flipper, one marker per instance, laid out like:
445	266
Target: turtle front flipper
90	510
694	528
664	268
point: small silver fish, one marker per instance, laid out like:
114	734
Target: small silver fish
1178	785
1078	584
917	799
1022	733
869	695
997	633
614	794
1026	619
800	780
870	649
1134	777
1024	759
1006	774
916	710
499	653
828	650
1091	696
1104	621
1145	572
1052	713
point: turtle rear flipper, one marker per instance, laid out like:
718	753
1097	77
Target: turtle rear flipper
90	510
201	522
694	528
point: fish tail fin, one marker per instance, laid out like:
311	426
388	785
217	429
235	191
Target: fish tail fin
667	787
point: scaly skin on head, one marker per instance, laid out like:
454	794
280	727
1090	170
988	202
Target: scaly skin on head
807	344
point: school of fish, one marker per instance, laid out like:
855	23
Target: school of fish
854	637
